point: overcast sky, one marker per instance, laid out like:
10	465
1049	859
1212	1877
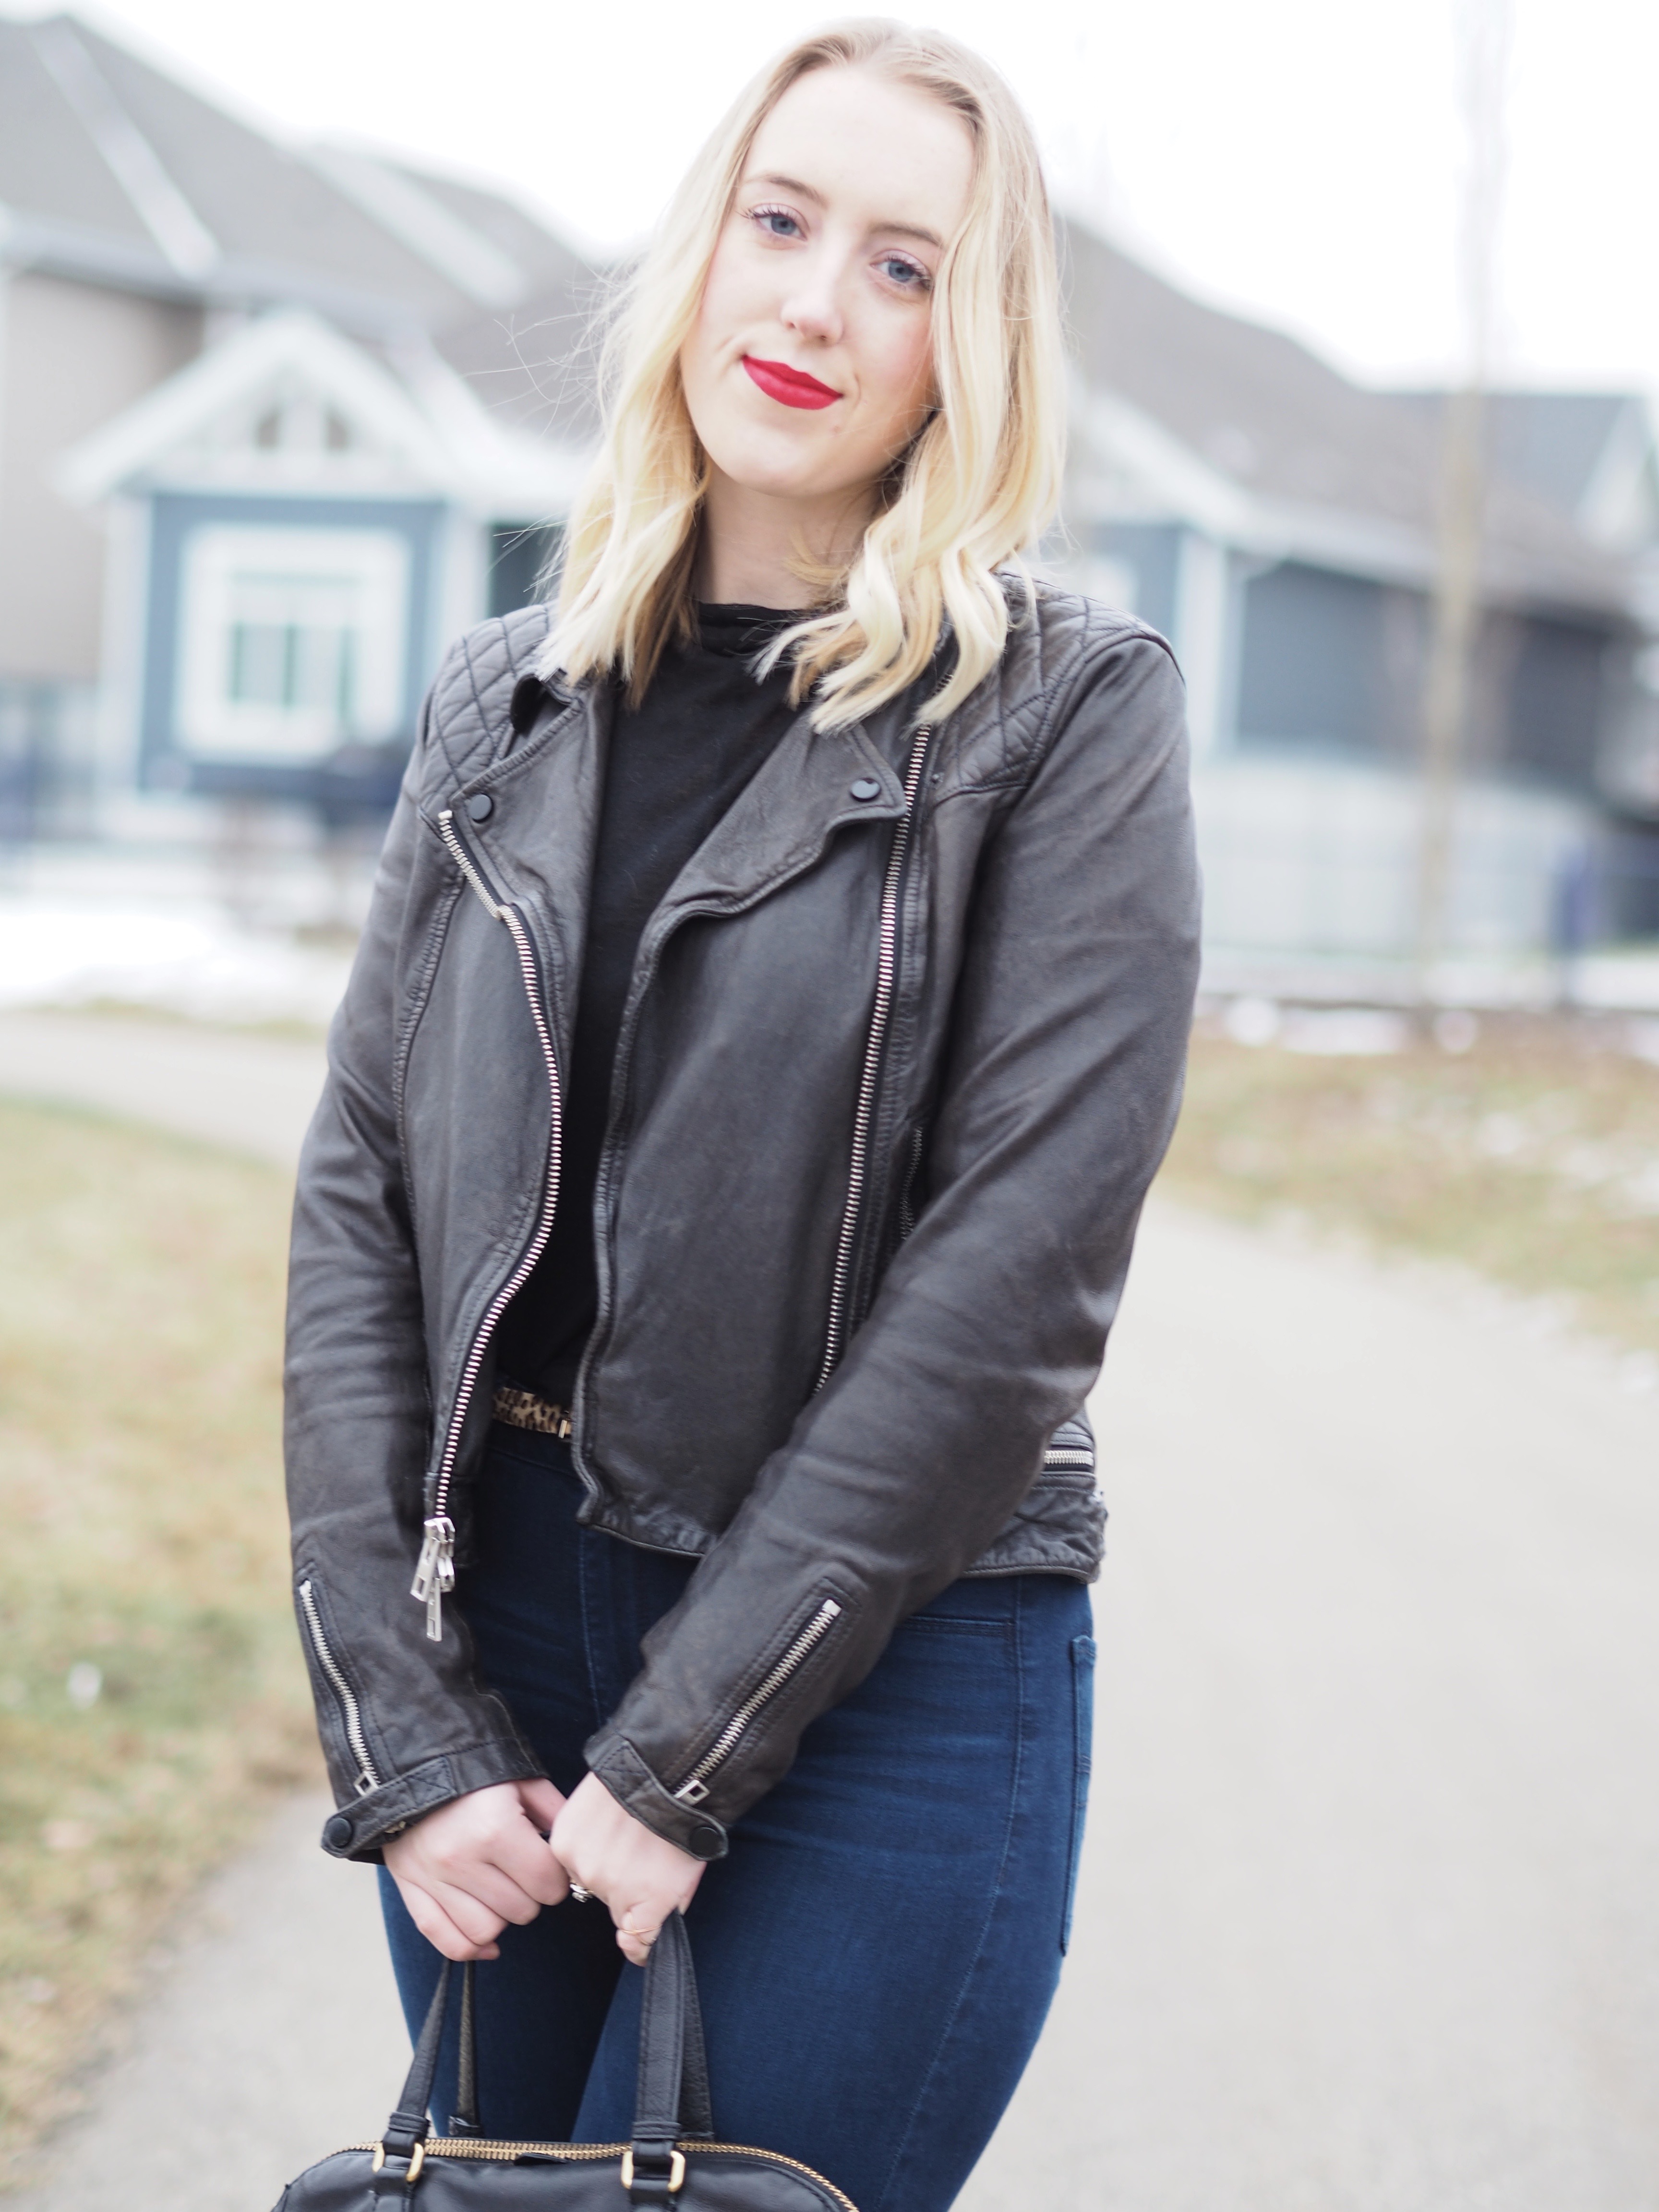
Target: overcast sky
1294	159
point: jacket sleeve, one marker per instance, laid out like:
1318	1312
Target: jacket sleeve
1067	1046
405	1723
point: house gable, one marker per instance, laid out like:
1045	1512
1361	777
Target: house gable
284	404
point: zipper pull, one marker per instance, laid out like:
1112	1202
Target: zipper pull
435	1572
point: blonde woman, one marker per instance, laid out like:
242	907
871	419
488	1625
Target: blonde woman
771	1016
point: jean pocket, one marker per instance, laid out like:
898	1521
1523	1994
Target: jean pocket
1083	1730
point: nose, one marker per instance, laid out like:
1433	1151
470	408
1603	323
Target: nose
813	309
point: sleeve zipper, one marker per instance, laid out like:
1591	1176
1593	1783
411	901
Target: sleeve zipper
350	1710
695	1787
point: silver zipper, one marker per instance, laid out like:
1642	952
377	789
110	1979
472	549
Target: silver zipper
435	1571
886	965
1084	1459
368	1778
695	1787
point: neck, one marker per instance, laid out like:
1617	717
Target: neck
753	541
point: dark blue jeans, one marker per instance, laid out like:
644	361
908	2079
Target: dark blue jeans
877	1951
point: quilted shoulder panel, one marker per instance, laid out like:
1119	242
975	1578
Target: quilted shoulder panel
468	710
1000	729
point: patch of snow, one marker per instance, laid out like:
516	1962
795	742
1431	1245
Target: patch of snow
1614	982
1344	1032
190	960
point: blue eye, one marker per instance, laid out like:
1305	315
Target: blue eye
777	222
902	272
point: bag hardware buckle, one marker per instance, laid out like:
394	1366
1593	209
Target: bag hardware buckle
676	2170
416	2161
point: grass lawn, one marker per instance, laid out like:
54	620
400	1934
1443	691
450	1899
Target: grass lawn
1533	1158
152	1695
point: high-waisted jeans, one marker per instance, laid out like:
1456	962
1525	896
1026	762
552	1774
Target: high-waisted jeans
877	1952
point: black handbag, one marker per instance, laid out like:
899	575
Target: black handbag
672	2162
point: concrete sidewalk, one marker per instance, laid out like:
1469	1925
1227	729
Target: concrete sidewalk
1367	1920
267	2033
249	1093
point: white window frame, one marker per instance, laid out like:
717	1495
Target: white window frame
355	580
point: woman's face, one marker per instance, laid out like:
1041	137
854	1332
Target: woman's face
809	367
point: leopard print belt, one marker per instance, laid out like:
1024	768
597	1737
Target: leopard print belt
523	1409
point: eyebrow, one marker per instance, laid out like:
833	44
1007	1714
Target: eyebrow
809	193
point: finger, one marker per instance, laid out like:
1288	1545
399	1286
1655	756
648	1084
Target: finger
477	1922
635	1948
476	1874
541	1801
497	1891
525	1857
440	1930
507	1864
638	1926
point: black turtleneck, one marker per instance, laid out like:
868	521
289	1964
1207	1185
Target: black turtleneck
675	764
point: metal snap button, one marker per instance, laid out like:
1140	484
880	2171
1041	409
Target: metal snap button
866	787
480	807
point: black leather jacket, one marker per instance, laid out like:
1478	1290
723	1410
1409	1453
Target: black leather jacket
902	1054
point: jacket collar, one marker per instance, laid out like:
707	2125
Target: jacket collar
538	842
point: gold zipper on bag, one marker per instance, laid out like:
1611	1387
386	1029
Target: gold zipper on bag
508	2152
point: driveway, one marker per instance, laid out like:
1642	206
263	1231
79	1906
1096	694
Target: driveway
250	1092
1367	1918
1370	1919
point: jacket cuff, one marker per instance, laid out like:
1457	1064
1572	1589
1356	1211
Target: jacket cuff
361	1826
637	1788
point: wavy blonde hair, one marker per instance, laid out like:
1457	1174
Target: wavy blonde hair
975	486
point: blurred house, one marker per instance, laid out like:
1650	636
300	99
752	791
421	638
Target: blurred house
1279	524
276	421
272	430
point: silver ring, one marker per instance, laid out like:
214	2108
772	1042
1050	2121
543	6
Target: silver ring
581	1896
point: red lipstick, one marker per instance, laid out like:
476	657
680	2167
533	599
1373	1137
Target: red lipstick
791	385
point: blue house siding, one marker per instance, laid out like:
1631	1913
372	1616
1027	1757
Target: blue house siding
1553	710
1329	663
1151	551
356	778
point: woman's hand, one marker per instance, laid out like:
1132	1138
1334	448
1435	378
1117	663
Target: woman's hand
604	1849
469	1867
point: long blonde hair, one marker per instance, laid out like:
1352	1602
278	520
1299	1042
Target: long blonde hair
975	486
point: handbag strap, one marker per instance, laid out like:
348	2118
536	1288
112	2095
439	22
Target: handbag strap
672	2099
409	2124
463	2120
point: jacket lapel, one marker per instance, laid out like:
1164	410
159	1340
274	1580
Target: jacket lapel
780	822
539	837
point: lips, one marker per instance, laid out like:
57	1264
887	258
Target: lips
793	386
